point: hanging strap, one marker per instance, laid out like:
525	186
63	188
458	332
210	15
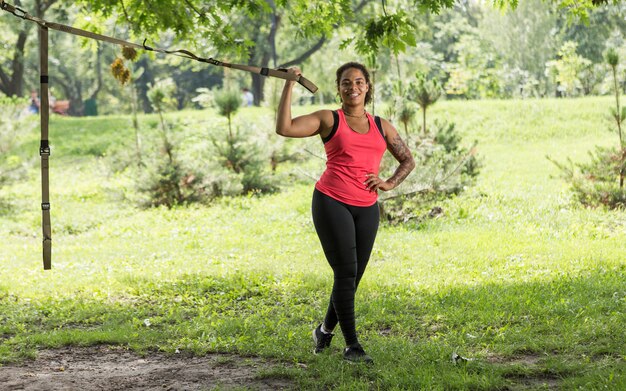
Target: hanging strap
279	73
44	148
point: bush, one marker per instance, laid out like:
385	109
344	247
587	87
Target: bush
181	183
198	171
596	194
442	168
164	180
239	151
165	184
244	153
596	183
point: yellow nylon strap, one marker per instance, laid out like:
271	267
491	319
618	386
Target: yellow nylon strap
44	148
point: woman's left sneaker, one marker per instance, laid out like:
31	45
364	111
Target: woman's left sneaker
322	340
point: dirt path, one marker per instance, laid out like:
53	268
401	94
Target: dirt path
106	368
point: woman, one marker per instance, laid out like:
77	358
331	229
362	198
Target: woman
344	207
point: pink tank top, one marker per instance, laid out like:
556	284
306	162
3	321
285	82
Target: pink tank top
350	157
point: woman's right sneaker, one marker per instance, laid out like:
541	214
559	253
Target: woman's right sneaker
355	353
322	340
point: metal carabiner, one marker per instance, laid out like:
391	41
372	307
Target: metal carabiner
20	13
17	11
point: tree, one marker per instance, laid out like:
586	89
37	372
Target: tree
618	113
269	33
525	38
567	69
287	36
228	101
14	126
12	68
248	30
602	21
76	68
426	93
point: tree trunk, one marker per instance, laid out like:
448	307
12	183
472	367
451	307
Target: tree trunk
258	82
77	105
73	89
14	84
98	87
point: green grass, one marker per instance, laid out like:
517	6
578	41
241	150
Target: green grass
514	276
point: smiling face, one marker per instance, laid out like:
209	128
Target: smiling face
353	87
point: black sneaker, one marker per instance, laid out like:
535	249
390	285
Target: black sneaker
322	340
356	353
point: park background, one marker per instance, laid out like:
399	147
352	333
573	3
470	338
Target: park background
181	222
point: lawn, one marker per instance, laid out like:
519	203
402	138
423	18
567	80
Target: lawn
514	276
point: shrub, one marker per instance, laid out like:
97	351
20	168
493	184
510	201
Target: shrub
162	179
443	167
596	183
596	194
201	171
166	181
183	182
239	150
164	184
226	101
244	153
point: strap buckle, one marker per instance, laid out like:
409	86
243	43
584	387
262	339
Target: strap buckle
45	206
44	148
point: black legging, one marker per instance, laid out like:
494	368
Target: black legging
347	235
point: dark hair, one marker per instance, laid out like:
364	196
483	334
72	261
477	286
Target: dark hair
362	68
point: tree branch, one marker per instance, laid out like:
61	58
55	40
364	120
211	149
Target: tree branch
194	9
46	6
306	174
64	85
314	154
362	4
305	55
125	13
318	45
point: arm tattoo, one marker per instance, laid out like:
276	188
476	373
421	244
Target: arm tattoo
401	152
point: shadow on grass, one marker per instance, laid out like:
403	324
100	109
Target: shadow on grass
562	331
